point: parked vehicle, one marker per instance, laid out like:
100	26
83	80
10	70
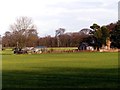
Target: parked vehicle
19	51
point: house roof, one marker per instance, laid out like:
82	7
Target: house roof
41	47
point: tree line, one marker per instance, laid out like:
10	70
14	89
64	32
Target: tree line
23	33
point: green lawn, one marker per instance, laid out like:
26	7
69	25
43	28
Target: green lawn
68	70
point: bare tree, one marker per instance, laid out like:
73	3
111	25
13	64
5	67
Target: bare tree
22	23
59	32
20	30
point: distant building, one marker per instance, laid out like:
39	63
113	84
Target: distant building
85	46
40	49
0	43
0	46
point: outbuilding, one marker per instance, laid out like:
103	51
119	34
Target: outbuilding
40	49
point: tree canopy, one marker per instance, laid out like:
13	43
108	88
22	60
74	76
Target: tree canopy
22	33
101	34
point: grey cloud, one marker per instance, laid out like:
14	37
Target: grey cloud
77	5
75	21
73	16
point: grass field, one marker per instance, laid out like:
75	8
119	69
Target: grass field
68	70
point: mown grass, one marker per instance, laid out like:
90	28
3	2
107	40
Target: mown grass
68	70
62	48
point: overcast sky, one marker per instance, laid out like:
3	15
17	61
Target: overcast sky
49	15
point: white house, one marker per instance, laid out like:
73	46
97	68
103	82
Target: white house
40	49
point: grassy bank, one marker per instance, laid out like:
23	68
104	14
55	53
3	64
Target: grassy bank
73	70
